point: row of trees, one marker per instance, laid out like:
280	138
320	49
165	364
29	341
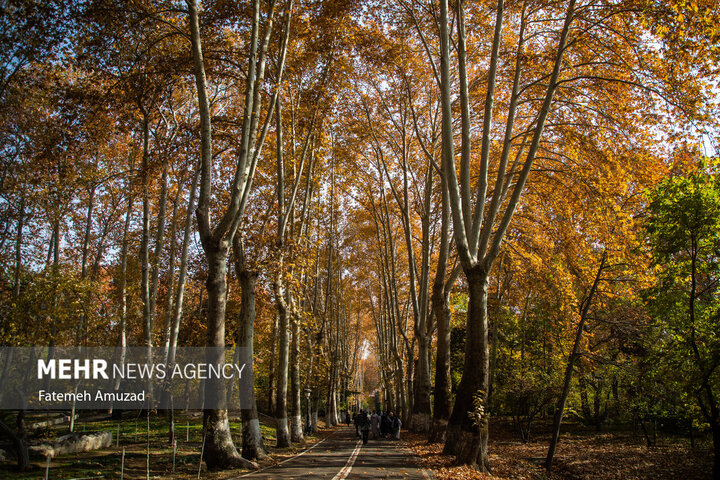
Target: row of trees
474	192
565	117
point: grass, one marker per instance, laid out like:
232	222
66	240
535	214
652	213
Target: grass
134	437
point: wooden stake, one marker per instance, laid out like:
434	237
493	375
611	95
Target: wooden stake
147	459
47	468
202	452
174	451
122	465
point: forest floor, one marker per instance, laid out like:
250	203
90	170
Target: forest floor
582	454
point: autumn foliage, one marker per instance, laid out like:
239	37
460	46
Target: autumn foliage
458	211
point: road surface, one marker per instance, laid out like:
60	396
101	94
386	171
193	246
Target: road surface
343	456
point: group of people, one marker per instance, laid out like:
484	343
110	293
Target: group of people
382	425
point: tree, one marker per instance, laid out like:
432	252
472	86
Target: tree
216	240
683	231
479	234
30	32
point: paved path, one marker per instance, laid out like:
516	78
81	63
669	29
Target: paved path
343	456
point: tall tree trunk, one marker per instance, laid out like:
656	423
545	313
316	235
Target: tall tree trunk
145	247
296	431
56	243
331	418
410	364
441	310
401	391
180	287
100	250
281	414
167	398
88	230
286	307
51	245
167	324
252	443
281	294
715	427
421	406
467	431
493	358
220	451
18	246
574	354
272	388
443	381
159	244
122	335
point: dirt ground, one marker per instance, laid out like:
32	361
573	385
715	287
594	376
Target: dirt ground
581	455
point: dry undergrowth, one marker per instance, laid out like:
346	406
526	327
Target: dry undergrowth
584	456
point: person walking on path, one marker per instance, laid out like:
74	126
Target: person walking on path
397	423
375	425
356	420
385	424
364	427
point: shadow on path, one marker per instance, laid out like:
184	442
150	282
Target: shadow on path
342	456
